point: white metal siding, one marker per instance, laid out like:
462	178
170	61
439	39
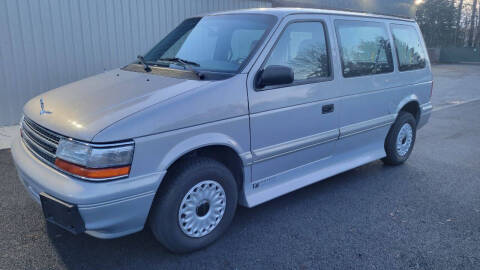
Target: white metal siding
47	43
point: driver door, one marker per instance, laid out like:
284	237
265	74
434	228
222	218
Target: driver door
294	127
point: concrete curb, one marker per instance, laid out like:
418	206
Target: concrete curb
7	134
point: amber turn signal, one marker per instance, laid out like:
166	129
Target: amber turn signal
92	173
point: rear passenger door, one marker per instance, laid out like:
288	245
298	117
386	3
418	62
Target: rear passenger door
294	127
368	80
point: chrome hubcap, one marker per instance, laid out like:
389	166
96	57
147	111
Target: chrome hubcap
202	208
404	139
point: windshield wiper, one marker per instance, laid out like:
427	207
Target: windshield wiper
179	60
186	64
145	65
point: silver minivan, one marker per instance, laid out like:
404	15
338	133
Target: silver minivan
229	108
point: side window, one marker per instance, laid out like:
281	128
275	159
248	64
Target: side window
302	47
410	52
364	48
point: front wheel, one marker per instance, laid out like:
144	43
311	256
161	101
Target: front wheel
400	139
195	206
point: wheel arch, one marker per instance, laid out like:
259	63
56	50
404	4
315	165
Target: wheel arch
410	104
213	145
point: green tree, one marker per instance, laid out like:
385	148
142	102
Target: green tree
438	21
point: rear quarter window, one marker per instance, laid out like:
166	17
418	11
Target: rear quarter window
409	48
364	47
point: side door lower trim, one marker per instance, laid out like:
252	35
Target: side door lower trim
292	146
367	125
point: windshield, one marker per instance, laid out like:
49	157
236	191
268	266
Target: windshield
219	43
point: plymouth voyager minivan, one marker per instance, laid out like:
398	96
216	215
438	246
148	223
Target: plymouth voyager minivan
230	108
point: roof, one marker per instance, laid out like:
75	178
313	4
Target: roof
282	12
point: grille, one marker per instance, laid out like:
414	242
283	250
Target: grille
41	141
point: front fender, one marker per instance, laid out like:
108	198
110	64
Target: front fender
203	140
155	153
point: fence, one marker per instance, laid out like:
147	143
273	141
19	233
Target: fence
457	55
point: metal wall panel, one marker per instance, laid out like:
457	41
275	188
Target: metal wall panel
47	43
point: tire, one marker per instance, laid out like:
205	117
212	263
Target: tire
198	178
403	132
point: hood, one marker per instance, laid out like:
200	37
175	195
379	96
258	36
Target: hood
83	108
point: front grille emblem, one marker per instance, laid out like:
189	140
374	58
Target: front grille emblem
42	108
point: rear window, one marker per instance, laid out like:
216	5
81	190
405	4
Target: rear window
410	52
365	48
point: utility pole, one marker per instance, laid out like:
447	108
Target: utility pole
472	24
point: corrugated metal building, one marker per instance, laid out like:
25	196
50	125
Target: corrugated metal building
47	43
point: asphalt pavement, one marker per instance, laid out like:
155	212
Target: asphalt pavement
424	214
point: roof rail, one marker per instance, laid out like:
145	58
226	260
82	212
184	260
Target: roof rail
370	13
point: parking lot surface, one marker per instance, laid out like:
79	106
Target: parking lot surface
424	214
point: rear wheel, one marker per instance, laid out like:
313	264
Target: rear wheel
195	206
400	139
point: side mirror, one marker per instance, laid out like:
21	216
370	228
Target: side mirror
274	75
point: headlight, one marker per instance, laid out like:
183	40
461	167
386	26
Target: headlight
93	161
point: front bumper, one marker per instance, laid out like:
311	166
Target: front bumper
109	209
62	214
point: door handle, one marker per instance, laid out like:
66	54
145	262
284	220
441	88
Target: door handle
328	108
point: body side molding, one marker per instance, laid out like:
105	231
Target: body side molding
367	125
284	148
